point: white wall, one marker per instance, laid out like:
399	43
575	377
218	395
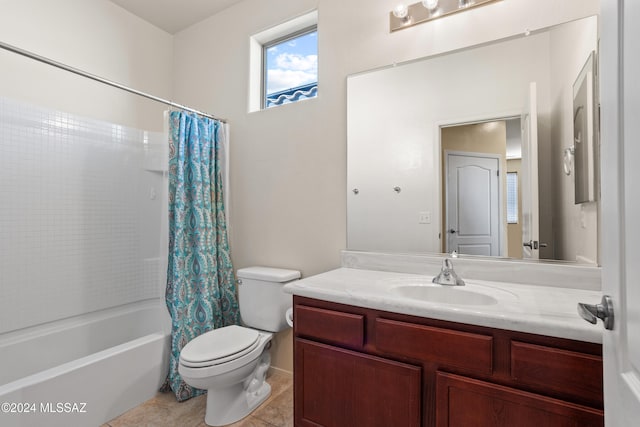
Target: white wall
95	36
285	165
575	226
288	164
79	230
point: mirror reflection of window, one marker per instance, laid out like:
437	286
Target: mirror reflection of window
512	197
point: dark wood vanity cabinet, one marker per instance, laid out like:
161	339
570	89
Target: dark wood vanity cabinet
361	367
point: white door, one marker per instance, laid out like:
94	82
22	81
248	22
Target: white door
473	204
530	223
620	201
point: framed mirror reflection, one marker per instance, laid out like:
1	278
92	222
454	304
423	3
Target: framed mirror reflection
432	142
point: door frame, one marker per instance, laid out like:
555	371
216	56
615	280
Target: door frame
501	233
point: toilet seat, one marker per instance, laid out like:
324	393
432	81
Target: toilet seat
219	346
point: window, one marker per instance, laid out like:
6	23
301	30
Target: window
291	68
512	197
284	63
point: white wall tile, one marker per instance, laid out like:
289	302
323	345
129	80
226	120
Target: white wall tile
73	201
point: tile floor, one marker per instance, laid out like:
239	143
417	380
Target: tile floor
164	410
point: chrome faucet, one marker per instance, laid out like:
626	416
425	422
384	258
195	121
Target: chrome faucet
447	275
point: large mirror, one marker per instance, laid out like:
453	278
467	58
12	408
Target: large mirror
467	151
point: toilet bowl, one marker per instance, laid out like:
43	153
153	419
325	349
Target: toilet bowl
231	363
234	381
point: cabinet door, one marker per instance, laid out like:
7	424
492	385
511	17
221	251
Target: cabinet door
338	388
464	402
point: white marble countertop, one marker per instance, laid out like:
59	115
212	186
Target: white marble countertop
526	308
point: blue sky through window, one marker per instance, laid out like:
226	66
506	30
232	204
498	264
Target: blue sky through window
292	63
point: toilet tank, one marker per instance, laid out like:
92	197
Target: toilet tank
263	302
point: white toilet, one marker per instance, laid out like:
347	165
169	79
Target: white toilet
231	362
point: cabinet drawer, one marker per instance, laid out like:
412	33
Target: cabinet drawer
330	326
462	402
445	347
564	372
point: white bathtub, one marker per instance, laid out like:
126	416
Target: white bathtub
85	370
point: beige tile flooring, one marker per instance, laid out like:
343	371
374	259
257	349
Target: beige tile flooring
164	410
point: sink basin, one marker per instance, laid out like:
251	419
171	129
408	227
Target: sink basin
444	295
421	289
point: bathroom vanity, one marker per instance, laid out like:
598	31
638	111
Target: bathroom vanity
373	349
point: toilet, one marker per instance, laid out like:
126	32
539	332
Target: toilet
231	363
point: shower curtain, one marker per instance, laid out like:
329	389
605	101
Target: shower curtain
201	292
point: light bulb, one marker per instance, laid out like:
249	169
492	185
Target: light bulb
401	11
430	4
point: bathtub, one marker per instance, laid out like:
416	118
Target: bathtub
85	370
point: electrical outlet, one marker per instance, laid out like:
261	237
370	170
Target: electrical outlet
424	218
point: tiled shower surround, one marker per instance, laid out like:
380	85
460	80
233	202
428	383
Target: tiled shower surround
81	212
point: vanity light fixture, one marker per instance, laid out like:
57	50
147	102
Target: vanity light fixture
403	16
400	11
430	4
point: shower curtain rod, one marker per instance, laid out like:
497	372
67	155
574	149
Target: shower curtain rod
79	72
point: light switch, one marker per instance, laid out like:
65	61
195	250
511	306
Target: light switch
424	218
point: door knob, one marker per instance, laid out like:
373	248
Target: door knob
534	244
451	231
592	312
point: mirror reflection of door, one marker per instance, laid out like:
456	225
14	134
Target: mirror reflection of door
482	210
473	203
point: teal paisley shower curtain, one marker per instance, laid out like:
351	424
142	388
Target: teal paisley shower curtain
201	292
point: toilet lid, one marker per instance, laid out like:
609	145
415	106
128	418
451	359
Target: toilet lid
219	346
